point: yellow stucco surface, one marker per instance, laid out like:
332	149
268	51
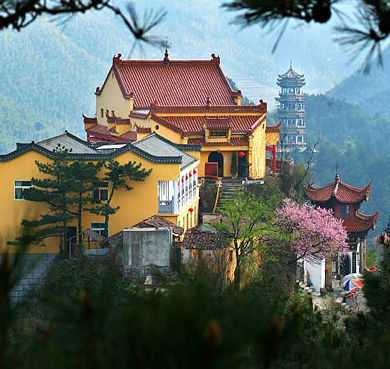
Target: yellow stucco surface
111	98
135	205
257	153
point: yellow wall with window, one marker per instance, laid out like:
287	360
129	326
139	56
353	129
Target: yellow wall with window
135	205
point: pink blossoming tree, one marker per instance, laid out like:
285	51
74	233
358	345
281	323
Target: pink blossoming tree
314	232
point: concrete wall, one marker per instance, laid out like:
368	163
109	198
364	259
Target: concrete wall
34	270
147	246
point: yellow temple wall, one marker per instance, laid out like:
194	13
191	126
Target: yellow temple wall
135	205
257	153
167	133
111	98
271	138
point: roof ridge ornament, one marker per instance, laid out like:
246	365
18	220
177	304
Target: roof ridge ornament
117	59
215	58
166	56
208	103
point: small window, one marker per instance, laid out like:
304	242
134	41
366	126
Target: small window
20	187
101	191
157	127
107	112
99	228
344	211
218	133
102	113
113	113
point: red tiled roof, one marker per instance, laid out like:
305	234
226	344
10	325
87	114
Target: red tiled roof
342	192
128	136
219	109
118	120
217	122
360	223
273	128
143	129
234	141
89	120
195	124
158	222
101	133
176	82
197	238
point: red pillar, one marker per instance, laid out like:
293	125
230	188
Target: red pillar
274	158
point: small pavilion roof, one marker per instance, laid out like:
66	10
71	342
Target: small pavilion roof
340	191
172	82
360	223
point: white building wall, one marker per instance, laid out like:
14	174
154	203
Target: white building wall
316	272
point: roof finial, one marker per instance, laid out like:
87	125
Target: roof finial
166	55
337	177
208	102
290	63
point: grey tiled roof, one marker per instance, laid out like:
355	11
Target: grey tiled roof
157	146
153	148
73	145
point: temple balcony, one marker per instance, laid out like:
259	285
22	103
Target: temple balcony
173	196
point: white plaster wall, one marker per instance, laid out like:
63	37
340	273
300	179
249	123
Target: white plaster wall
316	270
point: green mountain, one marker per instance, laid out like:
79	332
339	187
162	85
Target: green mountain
370	91
49	71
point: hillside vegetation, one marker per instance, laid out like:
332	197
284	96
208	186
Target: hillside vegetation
357	142
370	91
50	70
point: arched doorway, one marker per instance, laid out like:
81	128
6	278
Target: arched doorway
217	157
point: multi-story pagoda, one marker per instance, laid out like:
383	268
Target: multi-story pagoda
345	201
291	111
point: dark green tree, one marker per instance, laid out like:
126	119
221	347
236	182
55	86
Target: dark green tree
84	176
119	176
55	192
67	190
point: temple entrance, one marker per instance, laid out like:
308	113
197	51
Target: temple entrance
242	166
345	265
217	157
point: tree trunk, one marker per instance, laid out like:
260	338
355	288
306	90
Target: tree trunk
237	276
79	226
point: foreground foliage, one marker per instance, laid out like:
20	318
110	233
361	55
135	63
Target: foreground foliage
88	316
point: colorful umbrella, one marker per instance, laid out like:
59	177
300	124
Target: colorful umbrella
351	276
353	285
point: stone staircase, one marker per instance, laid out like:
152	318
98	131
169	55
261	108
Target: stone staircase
230	189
